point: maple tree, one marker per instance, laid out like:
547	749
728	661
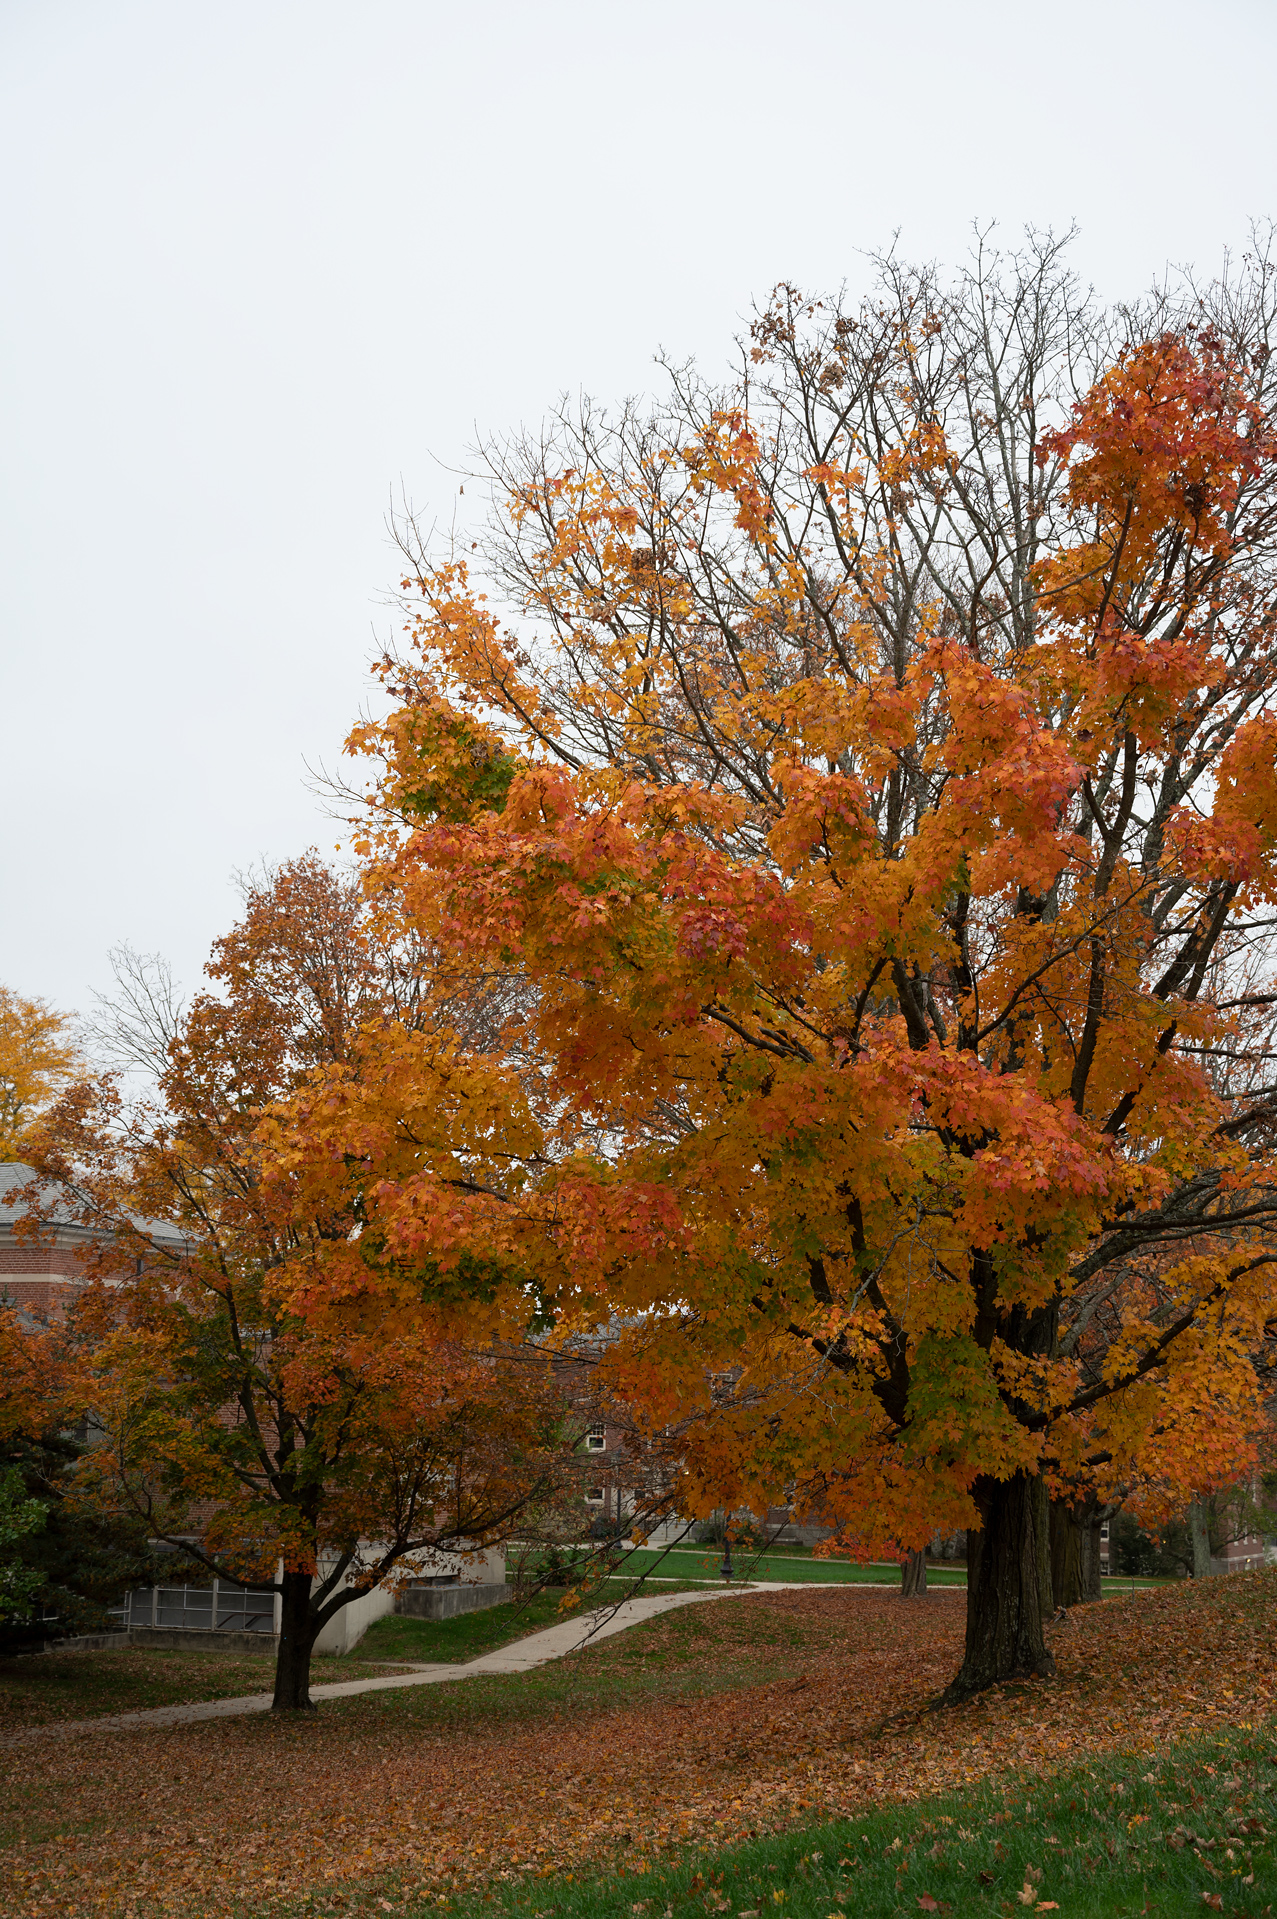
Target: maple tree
871	781
66	1567
628	1747
272	1396
38	1057
43	1382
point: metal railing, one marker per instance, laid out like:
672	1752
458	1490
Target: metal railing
219	1607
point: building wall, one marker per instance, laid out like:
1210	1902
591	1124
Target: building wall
39	1280
346	1628
482	1568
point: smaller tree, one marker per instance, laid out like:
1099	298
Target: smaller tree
37	1059
20	1517
71	1556
278	1391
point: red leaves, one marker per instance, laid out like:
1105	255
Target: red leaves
1165	437
861	926
436	1786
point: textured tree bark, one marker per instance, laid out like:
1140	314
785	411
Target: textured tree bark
1091	1587
1008	1573
297	1636
1200	1533
1068	1537
1075	1552
913	1575
1041	1522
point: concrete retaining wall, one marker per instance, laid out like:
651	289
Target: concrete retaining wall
445	1602
79	1642
346	1628
194	1639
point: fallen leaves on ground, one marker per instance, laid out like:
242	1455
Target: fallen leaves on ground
702	1726
46	1688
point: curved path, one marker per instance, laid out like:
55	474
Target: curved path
555	1642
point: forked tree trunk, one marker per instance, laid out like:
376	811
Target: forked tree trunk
1067	1533
913	1575
1091	1587
1008	1586
1199	1532
297	1634
1075	1551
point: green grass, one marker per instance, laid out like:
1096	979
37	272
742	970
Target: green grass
797	1564
86	1685
471	1634
685	1655
703	1562
1129	1835
83	1685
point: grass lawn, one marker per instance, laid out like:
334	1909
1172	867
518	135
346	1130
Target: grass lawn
714	1740
85	1685
792	1564
1125	1835
703	1562
398	1640
82	1685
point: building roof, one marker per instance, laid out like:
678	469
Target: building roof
58	1212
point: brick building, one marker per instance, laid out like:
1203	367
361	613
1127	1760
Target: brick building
40	1276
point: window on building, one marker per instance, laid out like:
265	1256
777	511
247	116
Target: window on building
596	1439
594	1495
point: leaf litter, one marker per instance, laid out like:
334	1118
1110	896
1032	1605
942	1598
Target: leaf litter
773	1711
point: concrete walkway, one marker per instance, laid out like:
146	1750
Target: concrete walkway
538	1649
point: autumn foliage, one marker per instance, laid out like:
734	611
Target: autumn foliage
866	797
38	1057
269	1392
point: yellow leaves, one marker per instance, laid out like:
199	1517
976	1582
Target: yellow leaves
921	453
37	1059
824	813
1044	1384
725	457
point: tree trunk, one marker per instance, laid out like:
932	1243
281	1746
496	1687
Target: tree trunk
913	1575
1075	1551
1067	1536
296	1639
1040	1499
1008	1564
1091	1587
1200	1531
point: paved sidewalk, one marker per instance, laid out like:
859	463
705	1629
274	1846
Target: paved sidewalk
555	1642
538	1649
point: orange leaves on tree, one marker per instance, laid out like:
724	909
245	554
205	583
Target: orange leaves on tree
882	863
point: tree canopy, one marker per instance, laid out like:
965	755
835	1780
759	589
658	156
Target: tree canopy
860	777
269	1392
38	1057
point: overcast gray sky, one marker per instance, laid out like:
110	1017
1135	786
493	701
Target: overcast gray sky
262	263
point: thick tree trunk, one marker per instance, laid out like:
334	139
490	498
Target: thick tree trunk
1008	1573
1075	1551
296	1640
1067	1548
1091	1587
913	1575
1200	1533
